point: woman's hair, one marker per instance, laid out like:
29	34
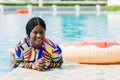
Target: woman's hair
34	22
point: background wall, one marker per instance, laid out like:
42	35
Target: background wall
113	2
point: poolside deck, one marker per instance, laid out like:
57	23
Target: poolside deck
70	71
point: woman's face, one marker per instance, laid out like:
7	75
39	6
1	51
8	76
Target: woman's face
37	35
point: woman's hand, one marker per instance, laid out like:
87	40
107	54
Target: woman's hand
39	65
12	55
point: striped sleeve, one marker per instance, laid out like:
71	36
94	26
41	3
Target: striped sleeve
20	62
18	56
56	57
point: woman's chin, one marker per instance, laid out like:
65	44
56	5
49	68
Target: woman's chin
38	44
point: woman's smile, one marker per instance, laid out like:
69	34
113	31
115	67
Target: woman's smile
38	40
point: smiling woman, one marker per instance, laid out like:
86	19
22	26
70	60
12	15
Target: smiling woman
36	51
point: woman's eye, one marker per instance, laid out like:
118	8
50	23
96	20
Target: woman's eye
41	32
35	32
38	32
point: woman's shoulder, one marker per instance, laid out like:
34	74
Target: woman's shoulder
49	42
23	44
50	45
23	41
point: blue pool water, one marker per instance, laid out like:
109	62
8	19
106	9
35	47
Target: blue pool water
60	28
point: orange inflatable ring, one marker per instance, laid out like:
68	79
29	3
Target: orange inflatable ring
22	11
92	52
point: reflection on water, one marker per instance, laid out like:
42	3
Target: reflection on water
114	24
60	28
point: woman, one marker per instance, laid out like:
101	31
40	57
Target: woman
36	51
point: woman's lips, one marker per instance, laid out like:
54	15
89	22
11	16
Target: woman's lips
38	40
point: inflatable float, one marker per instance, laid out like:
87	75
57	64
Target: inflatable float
22	11
92	52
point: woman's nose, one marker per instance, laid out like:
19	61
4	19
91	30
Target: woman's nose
39	35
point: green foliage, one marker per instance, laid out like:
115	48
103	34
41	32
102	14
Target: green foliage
112	8
19	4
50	4
72	4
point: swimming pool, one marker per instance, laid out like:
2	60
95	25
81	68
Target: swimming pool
60	28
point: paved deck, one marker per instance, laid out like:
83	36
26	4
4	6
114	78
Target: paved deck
68	72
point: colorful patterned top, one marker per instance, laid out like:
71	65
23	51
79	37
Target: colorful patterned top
26	54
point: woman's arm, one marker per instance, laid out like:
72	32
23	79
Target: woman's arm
56	58
12	56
